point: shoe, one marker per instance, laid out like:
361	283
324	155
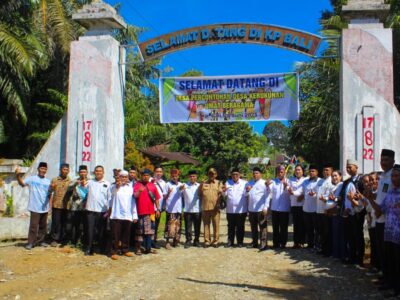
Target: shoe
215	245
138	252
150	251
168	246
196	244
372	272
128	254
206	245
155	245
384	287
54	244
175	244
391	294
44	245
28	246
229	245
88	252
114	257
263	249
240	245
361	267
187	245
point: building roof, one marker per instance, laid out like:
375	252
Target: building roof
161	152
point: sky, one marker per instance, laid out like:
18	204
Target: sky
161	16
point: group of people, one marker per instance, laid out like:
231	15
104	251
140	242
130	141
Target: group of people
328	213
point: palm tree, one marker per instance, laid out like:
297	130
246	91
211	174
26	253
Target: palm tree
21	55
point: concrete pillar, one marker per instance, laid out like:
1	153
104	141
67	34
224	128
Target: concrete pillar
369	118
95	124
92	130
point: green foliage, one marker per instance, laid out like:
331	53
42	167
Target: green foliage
219	145
315	136
278	134
9	206
134	157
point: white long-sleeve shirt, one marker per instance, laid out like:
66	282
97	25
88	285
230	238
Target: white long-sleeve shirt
162	191
295	183
350	188
384	186
310	202
325	187
173	203
122	203
335	190
258	200
191	197
236	202
278	196
98	195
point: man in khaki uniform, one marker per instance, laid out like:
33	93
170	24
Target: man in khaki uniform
210	192
58	190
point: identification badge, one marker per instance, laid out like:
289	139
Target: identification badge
385	188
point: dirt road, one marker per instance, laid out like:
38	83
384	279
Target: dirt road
194	273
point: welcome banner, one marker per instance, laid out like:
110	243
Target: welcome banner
229	98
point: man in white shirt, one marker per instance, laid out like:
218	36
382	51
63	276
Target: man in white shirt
384	186
122	212
173	207
324	234
38	204
279	204
192	207
296	203
349	209
236	207
162	191
258	209
309	189
133	175
96	210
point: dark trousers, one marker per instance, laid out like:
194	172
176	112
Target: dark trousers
37	228
236	227
326	235
373	243
192	220
298	225
121	230
258	221
350	232
96	227
280	223
77	220
391	267
360	241
338	238
58	222
319	223
380	244
132	236
310	223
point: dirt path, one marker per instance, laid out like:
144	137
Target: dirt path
195	273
